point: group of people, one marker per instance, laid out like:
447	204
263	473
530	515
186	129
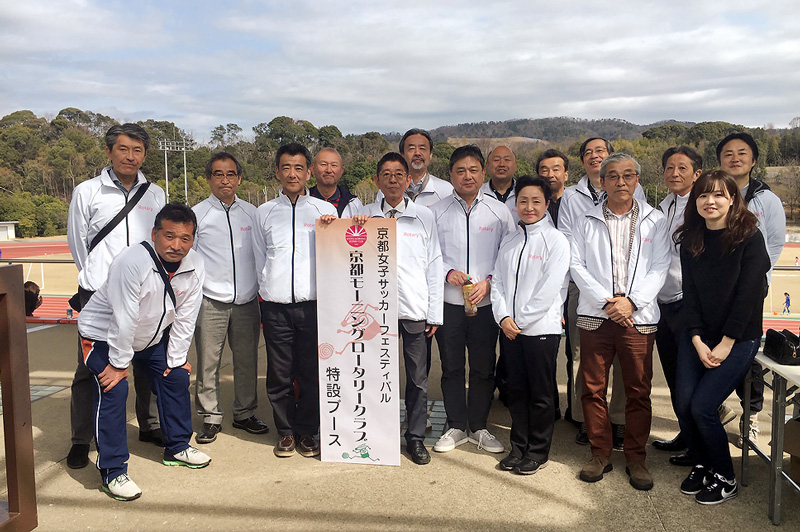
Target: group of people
476	258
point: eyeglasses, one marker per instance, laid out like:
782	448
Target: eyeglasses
627	176
230	175
399	176
598	151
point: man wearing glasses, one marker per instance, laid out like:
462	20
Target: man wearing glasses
230	300
620	258
575	201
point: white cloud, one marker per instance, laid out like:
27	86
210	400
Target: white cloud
387	66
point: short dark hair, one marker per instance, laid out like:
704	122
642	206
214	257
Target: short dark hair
178	213
534	181
691	153
222	156
415	131
746	137
582	149
134	131
462	152
389	157
549	154
292	149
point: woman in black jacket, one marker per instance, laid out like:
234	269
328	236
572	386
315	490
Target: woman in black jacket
724	263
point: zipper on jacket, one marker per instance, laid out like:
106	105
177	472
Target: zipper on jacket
516	277
164	310
294	237
233	255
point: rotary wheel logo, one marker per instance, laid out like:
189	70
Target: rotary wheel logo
356	236
325	351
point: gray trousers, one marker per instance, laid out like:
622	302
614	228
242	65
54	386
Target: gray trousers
81	403
240	324
616	406
415	359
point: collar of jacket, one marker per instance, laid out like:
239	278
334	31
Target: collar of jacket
105	179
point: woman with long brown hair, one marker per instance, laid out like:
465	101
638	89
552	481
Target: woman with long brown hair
724	263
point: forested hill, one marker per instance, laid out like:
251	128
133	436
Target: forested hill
556	129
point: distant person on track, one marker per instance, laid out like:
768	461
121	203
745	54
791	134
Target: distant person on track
786	304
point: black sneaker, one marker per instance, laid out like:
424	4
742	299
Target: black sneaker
509	463
696	481
529	466
618	437
582	438
208	433
719	489
78	456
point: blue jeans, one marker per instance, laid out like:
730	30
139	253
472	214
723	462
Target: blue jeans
699	393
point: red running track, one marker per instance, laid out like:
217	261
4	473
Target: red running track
22	250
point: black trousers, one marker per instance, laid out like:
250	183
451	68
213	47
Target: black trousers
415	359
290	332
478	336
668	336
531	364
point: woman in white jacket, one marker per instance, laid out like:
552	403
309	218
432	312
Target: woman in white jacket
528	292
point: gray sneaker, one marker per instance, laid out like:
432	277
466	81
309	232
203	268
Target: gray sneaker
189	457
486	441
123	488
451	439
753	436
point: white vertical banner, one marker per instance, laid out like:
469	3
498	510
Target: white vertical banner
358	342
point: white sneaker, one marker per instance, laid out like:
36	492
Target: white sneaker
189	457
753	436
123	488
726	414
451	439
486	441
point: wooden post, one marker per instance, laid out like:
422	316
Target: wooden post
21	511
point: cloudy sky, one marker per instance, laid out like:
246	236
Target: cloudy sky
387	66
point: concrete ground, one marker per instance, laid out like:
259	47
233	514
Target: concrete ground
247	488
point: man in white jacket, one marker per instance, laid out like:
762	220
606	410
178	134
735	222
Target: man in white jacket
682	165
575	201
420	282
501	165
95	203
145	314
620	257
284	244
425	188
471	226
230	300
737	155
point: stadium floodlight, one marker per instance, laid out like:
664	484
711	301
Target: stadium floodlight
168	145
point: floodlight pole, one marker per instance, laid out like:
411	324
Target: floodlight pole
167	145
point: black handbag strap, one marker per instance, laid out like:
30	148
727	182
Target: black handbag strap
162	272
129	205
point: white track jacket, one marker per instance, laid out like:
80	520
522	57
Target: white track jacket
470	239
132	308
420	277
529	282
647	267
283	240
94	203
225	241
